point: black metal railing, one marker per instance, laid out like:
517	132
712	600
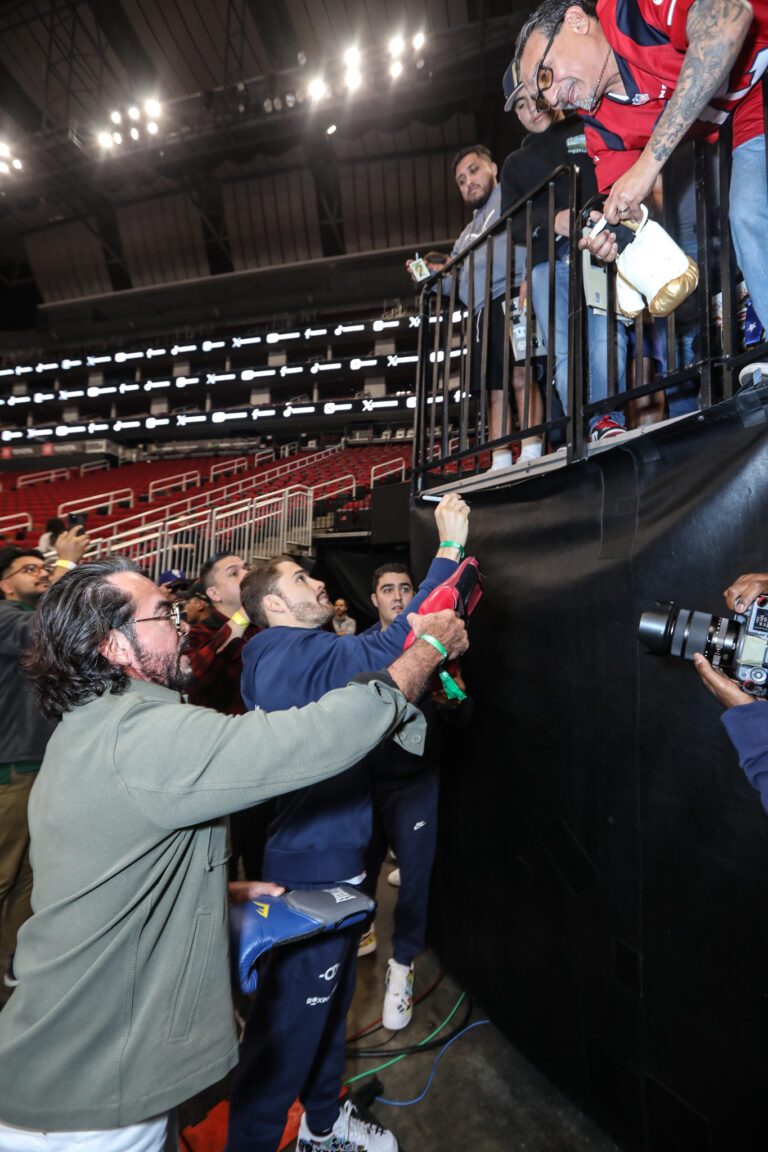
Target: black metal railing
456	375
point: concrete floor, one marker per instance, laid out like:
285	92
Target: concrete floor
484	1094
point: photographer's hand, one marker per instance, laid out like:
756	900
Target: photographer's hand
725	690
745	590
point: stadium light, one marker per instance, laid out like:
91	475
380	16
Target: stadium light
105	139
318	88
116	117
396	46
396	69
418	41
152	108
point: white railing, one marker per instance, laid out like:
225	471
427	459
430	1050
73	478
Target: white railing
228	467
257	528
298	518
107	500
42	477
96	466
14	522
262	456
338	486
208	497
182	480
388	468
187	542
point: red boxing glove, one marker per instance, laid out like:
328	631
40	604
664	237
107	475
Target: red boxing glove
462	591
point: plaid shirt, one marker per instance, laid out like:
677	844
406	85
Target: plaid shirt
217	673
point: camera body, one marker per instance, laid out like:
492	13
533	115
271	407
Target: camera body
737	645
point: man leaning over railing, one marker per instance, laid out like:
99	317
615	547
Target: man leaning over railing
554	139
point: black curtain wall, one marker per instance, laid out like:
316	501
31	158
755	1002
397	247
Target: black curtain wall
602	879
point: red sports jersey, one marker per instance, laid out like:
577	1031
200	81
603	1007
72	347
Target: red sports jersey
649	41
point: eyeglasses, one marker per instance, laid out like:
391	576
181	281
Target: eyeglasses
544	74
172	616
26	570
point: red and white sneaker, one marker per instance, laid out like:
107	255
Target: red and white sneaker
606	427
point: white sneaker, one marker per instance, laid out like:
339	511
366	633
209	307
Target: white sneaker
398	998
501	459
394	878
349	1134
528	453
367	942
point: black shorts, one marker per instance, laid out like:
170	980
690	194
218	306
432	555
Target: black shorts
494	363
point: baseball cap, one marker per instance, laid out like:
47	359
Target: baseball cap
512	84
197	590
172	576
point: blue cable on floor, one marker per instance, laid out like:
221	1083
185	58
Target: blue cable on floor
407	1103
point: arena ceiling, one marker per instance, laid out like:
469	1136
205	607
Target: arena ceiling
241	199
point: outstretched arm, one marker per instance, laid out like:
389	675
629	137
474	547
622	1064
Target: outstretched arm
715	30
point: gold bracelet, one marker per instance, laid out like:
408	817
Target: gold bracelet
65	564
240	619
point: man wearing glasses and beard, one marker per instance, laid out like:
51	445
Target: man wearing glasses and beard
123	1008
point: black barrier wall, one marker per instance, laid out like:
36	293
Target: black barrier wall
602	880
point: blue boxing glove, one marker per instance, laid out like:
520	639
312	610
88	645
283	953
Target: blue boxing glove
255	926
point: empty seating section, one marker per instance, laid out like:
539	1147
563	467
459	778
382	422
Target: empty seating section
147	492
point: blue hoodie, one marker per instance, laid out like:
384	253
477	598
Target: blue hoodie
320	833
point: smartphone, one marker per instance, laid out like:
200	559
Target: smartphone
77	520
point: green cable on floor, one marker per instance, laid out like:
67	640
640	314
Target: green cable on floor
426	1040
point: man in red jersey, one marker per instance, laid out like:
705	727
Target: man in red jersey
647	74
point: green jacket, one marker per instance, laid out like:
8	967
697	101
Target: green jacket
123	1009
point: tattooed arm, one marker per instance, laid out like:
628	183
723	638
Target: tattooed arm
715	30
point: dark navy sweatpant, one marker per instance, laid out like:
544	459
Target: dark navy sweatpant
294	1041
405	818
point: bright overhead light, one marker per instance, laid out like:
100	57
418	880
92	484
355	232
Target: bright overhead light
133	112
330	129
117	138
290	99
152	108
4	167
318	88
352	79
115	117
5	150
105	139
277	103
396	45
152	128
135	133
352	57
418	41
395	69
17	164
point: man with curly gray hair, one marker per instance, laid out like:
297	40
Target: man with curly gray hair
123	1007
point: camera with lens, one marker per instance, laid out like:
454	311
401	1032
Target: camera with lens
737	645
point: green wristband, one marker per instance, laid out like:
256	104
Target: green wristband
450	687
453	544
435	644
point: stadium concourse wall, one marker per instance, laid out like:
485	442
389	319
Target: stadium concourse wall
602	876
